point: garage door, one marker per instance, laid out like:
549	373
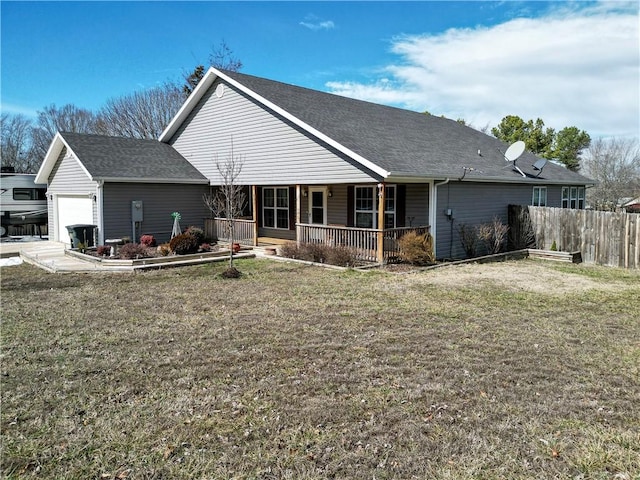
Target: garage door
73	211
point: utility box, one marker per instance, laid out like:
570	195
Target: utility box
136	211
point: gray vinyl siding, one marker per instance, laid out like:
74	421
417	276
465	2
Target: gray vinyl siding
336	206
476	203
417	205
159	202
68	178
273	150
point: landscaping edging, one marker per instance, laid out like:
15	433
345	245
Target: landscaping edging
159	262
569	257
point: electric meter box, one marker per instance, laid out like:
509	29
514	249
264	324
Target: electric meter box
136	211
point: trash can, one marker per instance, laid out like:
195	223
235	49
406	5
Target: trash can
84	234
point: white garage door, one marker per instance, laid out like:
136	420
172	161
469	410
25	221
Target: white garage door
73	211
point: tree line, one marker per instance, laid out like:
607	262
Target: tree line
614	163
141	114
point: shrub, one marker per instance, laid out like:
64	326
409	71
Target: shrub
103	250
493	235
195	232
554	247
521	232
341	256
290	250
314	252
468	239
319	253
132	251
184	244
148	240
417	249
164	249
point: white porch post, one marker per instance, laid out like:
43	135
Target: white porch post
254	209
298	212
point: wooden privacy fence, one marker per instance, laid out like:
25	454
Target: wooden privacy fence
604	238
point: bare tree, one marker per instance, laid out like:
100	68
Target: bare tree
142	114
615	165
65	119
15	143
220	57
230	199
493	235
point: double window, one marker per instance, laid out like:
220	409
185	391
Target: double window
539	197
275	207
366	207
573	197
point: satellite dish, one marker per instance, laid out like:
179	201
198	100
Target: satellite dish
514	151
539	165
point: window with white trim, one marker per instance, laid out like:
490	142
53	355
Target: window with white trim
573	197
275	207
539	197
366	207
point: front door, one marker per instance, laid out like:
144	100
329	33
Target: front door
318	205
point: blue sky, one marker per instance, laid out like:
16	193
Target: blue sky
569	63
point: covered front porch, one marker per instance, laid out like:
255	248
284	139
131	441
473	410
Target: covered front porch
368	244
332	215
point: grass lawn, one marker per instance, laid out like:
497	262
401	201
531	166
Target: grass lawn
512	370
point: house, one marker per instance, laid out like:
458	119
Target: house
631	205
316	166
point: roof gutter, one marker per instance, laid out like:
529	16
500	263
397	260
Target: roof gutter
151	180
398	177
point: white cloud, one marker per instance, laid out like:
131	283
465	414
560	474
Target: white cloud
569	68
314	23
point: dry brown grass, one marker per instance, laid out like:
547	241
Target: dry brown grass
301	372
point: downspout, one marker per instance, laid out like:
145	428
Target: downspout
433	209
100	206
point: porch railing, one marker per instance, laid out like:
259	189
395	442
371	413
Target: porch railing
363	241
216	228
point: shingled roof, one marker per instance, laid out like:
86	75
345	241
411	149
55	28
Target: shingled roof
401	142
124	159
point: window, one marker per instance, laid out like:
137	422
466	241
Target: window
366	207
390	208
573	197
29	193
539	197
275	207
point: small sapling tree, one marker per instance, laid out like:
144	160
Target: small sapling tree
229	200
